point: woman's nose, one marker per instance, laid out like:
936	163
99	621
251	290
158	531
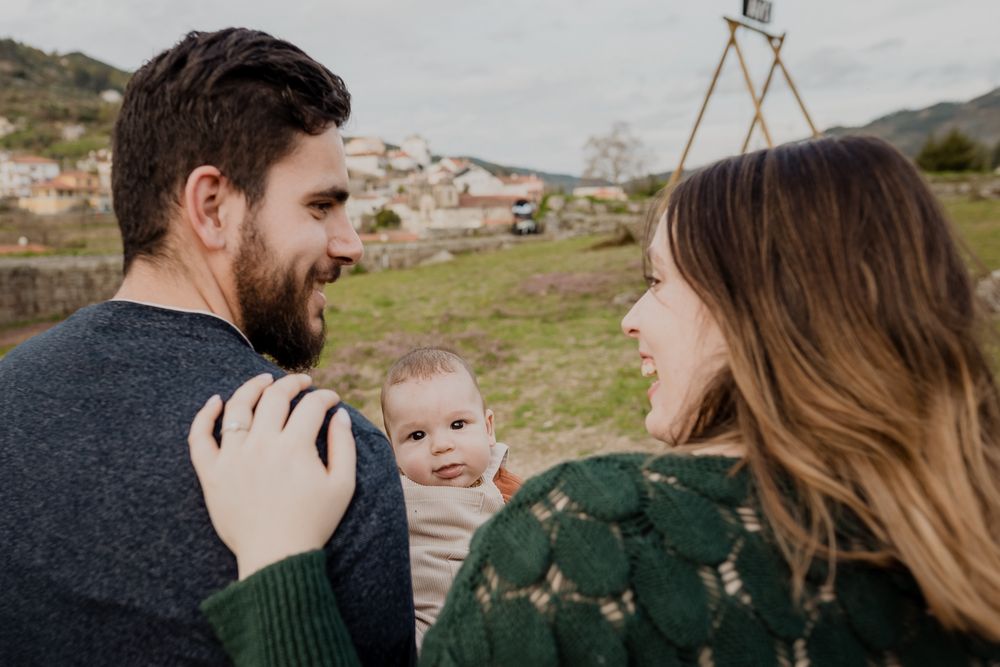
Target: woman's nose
630	323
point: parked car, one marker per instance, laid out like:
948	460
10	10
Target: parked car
524	222
525	226
523	208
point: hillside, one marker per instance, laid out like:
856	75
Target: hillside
54	100
565	182
42	94
907	130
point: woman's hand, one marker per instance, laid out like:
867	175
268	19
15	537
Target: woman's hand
268	494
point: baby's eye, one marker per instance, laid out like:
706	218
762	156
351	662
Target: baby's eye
458	424
417	435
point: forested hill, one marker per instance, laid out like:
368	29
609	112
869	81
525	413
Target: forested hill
54	101
907	130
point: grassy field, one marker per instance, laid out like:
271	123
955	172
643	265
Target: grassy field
978	223
540	324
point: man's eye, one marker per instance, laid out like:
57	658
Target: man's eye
417	435
458	424
323	206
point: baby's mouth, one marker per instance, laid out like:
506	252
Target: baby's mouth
450	471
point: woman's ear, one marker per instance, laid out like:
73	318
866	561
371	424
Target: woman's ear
203	194
488	415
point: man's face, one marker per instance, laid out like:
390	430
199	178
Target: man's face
291	245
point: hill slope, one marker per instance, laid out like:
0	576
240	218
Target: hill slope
45	95
907	130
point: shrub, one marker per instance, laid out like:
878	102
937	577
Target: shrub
387	219
955	152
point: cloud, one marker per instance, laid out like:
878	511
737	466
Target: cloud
526	83
885	45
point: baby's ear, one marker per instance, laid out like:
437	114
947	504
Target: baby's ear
488	414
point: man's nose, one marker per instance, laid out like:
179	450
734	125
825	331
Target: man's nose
344	244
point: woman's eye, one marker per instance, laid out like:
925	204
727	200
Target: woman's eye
417	435
652	281
458	424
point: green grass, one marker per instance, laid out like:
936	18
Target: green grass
978	223
540	325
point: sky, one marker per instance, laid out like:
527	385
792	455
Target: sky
527	82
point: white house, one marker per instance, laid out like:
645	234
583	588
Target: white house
19	172
607	192
475	180
529	187
98	162
360	205
446	169
401	161
365	146
72	131
365	156
416	147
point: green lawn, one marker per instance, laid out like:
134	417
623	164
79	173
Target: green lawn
978	223
540	324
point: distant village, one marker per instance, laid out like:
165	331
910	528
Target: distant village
403	192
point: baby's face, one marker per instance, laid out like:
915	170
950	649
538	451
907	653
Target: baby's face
440	432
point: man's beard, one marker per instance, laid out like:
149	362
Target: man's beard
274	306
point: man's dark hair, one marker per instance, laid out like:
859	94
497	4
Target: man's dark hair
234	99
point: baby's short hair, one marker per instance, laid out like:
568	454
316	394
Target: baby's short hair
423	363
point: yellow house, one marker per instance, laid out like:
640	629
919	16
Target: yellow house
71	190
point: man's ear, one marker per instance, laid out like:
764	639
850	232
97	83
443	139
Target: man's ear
489	427
204	192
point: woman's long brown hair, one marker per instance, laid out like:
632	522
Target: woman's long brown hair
858	379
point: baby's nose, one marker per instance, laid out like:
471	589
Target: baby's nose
441	445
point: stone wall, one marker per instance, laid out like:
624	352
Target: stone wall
382	256
34	288
37	288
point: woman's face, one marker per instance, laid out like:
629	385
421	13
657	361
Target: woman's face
680	345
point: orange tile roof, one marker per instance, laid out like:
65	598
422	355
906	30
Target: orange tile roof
33	159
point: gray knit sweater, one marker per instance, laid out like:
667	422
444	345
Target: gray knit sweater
106	548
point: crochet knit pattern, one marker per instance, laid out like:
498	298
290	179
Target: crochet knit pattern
627	559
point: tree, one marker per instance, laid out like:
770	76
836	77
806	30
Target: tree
616	156
956	152
386	218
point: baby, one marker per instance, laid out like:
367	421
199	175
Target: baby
452	467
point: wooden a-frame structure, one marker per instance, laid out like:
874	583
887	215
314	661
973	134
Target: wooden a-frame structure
775	42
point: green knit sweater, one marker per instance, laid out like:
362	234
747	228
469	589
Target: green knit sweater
616	560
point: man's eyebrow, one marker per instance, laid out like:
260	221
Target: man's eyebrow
335	193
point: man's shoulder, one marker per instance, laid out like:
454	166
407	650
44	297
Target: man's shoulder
363	427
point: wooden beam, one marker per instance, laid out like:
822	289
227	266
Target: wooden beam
674	177
753	94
